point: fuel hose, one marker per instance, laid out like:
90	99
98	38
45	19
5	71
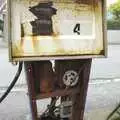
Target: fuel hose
13	82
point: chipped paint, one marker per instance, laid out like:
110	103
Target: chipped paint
63	40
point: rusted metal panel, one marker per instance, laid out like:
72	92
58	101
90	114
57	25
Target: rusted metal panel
79	99
35	73
31	89
56	29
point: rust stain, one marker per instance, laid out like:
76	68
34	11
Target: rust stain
87	1
59	50
84	1
93	3
19	51
22	35
35	43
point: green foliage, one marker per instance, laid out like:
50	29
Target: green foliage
113	24
115	9
1	25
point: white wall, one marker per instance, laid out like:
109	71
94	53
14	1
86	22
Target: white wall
113	36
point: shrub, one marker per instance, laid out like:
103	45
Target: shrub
113	24
1	25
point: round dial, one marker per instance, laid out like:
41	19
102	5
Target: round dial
70	78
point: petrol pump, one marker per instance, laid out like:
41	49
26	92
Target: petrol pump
56	40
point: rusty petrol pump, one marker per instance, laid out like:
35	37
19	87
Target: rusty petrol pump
57	40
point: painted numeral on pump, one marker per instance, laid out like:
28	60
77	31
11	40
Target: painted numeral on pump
77	29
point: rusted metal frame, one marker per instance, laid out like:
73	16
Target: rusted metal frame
79	99
104	23
12	58
9	30
36	58
31	89
59	93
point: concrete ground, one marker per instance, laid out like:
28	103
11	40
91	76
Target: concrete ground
102	98
15	107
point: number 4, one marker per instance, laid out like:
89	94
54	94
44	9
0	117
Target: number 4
77	29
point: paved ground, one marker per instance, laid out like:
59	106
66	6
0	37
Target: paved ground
15	107
102	99
7	70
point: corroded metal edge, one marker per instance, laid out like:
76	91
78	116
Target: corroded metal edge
36	58
56	58
9	30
